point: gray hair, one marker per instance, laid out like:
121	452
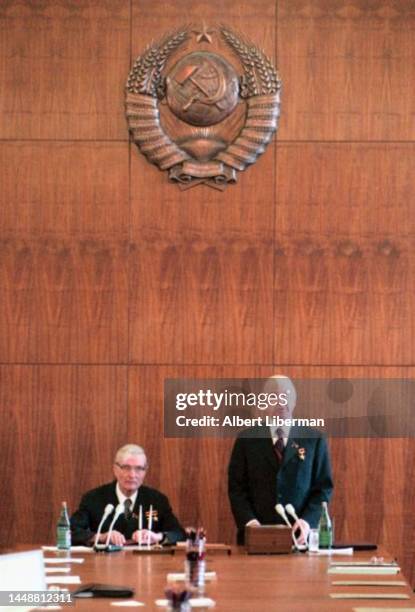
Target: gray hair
129	449
280	382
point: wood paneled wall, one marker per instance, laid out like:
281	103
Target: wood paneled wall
111	279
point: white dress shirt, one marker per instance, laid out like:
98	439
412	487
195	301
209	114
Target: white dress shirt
274	434
122	497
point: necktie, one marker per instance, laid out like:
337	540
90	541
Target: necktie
279	445
127	508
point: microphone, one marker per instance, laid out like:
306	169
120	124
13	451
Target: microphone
108	509
118	510
291	511
280	510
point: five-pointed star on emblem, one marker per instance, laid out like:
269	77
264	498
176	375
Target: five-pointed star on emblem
203	34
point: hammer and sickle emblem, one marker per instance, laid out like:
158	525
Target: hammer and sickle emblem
196	75
201	90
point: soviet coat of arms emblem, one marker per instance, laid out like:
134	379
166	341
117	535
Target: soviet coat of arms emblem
197	118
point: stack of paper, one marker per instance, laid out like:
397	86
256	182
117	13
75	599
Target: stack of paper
383	609
198	602
369	596
374	570
63	580
333	551
57	560
82	549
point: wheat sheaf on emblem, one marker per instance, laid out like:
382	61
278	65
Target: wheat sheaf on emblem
144	88
259	87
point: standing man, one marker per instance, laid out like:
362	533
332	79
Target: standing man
130	468
279	465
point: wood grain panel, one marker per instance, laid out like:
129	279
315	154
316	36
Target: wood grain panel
200	301
60	427
63	301
347	69
151	18
350	189
344	264
63	68
201	265
64	251
54	189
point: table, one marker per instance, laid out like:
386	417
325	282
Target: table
251	583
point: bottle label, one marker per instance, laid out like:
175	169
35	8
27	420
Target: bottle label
63	538
325	538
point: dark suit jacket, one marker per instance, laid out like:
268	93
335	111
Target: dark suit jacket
85	521
257	483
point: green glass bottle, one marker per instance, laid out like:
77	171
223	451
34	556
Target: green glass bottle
325	528
63	529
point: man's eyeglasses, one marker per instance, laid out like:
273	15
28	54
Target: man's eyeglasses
134	468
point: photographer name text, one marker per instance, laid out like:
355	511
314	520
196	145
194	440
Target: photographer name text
237	421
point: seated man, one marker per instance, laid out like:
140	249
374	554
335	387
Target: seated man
130	467
279	465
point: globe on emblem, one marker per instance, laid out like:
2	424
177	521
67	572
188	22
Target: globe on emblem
202	89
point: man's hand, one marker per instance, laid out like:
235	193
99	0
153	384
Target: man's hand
147	536
303	528
116	538
253	523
